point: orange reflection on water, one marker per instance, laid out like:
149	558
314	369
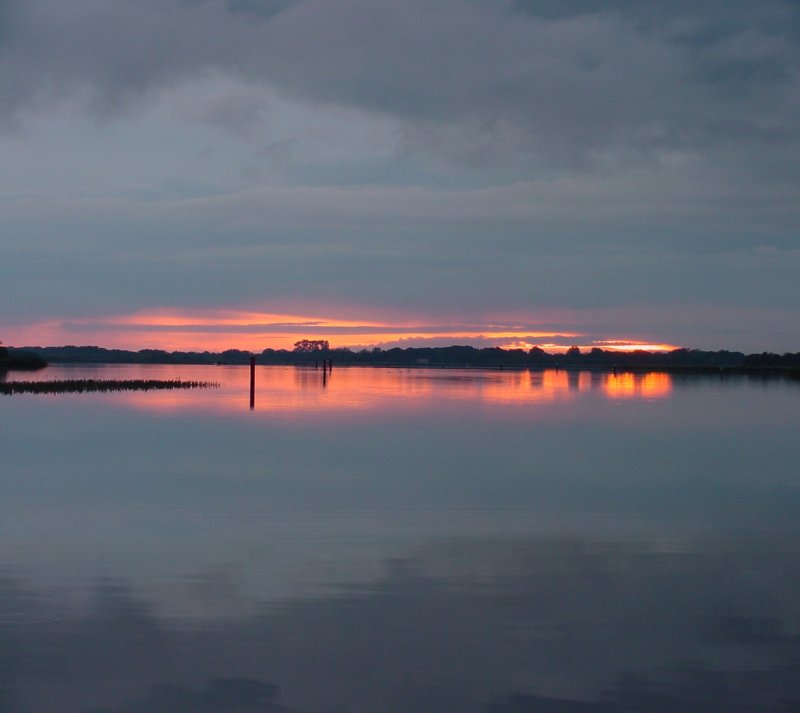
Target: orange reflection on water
553	385
633	386
289	390
292	391
169	401
536	386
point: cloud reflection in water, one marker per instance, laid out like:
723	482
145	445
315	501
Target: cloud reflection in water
521	626
423	540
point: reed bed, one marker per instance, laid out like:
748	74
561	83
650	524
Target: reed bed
83	386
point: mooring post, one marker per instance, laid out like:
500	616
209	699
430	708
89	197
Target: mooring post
252	382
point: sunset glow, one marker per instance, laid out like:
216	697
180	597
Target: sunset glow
220	329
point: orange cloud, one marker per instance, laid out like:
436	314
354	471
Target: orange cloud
216	330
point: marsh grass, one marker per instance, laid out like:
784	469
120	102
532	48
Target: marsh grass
82	386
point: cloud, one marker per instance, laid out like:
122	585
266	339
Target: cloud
452	255
462	156
473	82
239	110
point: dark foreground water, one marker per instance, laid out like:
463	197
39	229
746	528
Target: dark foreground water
401	541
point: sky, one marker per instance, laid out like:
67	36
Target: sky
212	174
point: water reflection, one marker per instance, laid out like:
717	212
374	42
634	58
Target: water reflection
304	389
649	385
481	626
401	540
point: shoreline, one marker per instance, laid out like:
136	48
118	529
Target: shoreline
677	361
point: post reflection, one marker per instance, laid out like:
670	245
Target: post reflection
252	383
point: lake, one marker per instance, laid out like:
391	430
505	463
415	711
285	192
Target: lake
401	540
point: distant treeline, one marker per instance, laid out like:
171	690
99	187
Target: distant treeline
454	356
20	359
81	386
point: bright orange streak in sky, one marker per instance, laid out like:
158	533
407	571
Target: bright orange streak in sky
221	329
617	346
219	341
232	318
620	346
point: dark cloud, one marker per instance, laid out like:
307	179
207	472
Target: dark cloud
475	82
236	109
528	154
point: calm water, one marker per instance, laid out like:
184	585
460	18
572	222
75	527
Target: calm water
401	541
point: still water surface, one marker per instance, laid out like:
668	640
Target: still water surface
401	540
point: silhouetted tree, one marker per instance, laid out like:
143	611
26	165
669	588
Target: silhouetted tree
312	345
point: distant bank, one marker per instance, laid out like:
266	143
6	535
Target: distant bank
453	356
21	359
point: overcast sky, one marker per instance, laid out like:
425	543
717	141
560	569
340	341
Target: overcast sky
181	172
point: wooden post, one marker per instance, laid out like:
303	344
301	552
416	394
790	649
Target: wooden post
252	382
